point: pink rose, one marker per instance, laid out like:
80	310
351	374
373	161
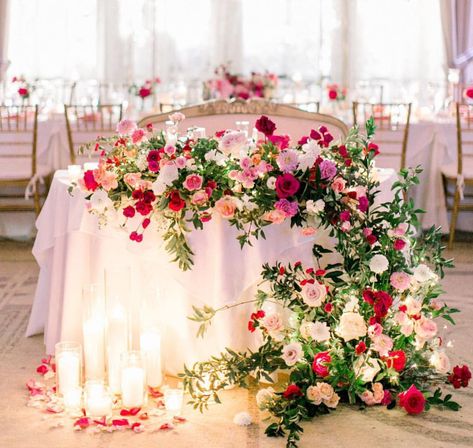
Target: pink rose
338	184
193	182
126	127
425	328
286	185
275	216
313	294
400	280
132	178
383	344
170	150
199	197
368	398
226	206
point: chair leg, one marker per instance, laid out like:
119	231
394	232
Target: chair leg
36	199
453	221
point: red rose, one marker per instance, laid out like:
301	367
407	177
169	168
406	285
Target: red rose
369	296
286	185
373	147
382	303
176	203
460	376
22	91
265	125
412	400
328	307
371	239
399	244
144	92
360	348
137	194
319	366
396	359
89	181
129	211
332	94
292	391
469	92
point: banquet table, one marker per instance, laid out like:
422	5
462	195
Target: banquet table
72	251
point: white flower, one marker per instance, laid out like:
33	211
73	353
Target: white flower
439	360
326	391
100	201
351	305
292	353
168	173
320	332
379	264
422	273
142	162
314	208
366	368
351	326
313	294
264	397
310	153
242	419
247	204
307	329
271	183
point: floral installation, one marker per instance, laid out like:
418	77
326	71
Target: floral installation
227	85
24	87
146	89
336	93
42	396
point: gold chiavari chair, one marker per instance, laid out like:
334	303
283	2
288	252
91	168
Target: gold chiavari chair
458	180
394	118
309	106
85	123
18	159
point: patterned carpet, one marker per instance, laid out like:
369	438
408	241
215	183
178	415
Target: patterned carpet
24	427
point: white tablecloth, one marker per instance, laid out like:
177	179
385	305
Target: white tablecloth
72	251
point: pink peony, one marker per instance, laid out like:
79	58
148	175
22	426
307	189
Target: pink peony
400	280
126	127
193	182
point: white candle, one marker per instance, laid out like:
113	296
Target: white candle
94	348
90	166
74	172
150	345
133	384
117	340
68	371
98	400
73	399
173	399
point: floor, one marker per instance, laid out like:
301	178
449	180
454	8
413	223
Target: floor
24	427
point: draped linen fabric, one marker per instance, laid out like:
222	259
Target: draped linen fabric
457	24
3	38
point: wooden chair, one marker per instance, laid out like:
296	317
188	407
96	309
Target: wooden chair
19	169
222	114
85	123
458	180
393	120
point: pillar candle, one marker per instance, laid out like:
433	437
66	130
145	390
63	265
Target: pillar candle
117	341
98	400
68	371
94	348
133	386
150	342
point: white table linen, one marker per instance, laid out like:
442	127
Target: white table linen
72	251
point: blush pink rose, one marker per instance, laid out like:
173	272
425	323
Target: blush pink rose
383	344
132	178
425	328
193	182
400	280
199	197
338	184
226	206
275	216
126	127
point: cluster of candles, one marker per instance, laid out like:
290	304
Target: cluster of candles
106	363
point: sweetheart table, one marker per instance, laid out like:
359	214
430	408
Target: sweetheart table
72	251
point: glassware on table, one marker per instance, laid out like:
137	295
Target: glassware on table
68	366
133	380
173	400
98	399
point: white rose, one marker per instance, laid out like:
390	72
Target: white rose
439	360
366	368
292	353
320	332
313	294
307	329
158	187
378	264
272	323
351	326
271	183
313	394
423	273
100	201
314	208
264	397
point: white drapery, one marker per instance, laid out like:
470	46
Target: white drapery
3	37
130	40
